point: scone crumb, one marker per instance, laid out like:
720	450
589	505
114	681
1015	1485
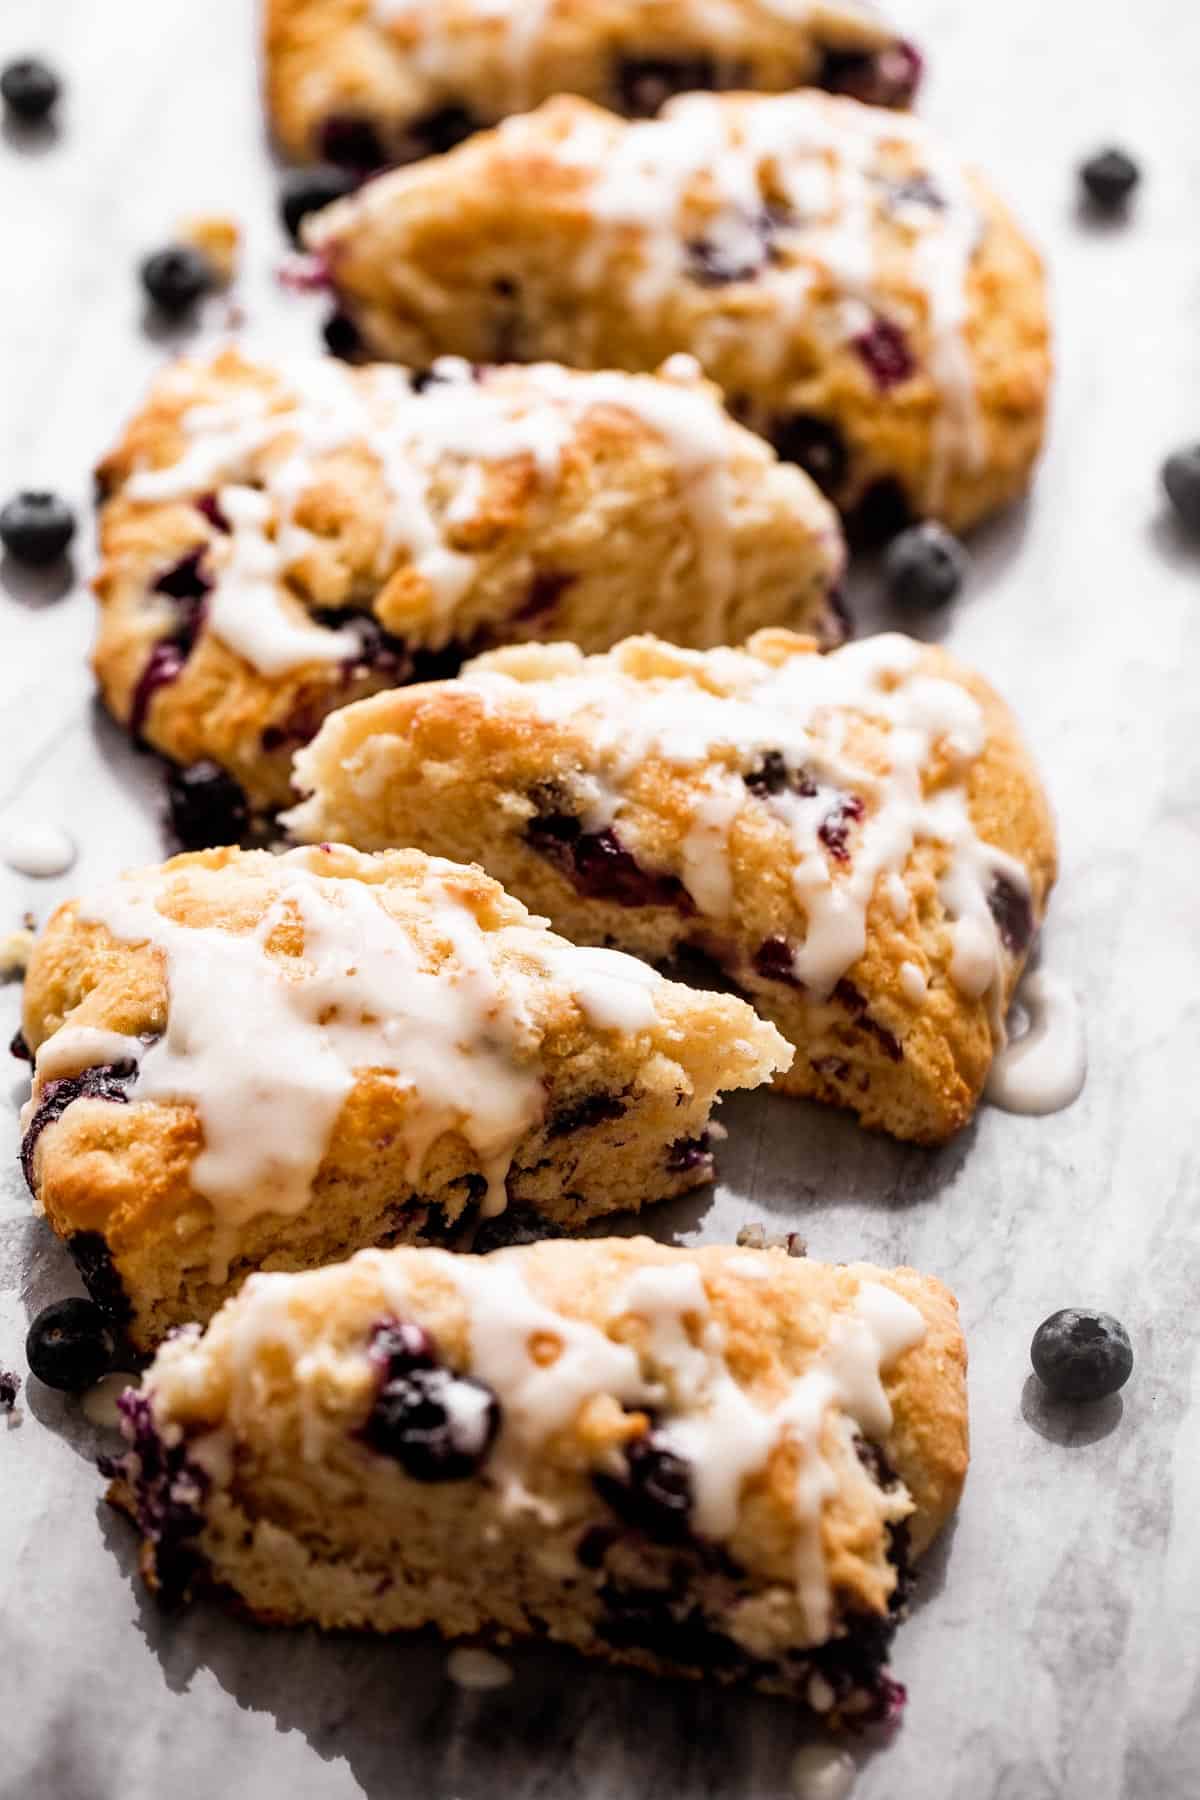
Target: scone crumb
15	948
218	237
757	1237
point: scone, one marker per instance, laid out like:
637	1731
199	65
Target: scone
245	1061
364	83
710	1462
861	297
278	539
858	841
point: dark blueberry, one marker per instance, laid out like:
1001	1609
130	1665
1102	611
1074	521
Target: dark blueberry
1082	1355
342	336
925	567
106	1081
163	666
594	1545
1012	909
29	88
515	1225
184	580
545	591
168	1494
847	995
70	1345
10	1387
653	1492
771	776
19	1047
92	1257
308	190
398	1345
880	512
436	132
1181	479
599	865
644	83
884	349
815	444
583	1114
887	77
774	961
714	264
36	527
206	806
668	1625
1109	178
209	508
187	586
175	278
351	143
690	1153
437	1425
834	829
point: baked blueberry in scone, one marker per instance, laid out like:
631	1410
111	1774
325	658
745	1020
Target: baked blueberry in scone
280	538
858	841
862	298
711	1462
246	1061
364	83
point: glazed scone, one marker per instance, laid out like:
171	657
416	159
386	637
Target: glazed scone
245	1061
858	840
364	83
861	297
710	1462
281	538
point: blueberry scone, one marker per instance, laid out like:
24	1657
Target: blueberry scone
278	539
863	299
712	1462
246	1061
858	841
365	83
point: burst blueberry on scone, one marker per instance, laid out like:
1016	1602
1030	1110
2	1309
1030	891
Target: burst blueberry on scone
280	538
858	841
862	298
364	83
712	1462
243	1060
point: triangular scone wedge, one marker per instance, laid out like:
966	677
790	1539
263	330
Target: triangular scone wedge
712	1462
280	537
244	1060
861	296
365	85
858	841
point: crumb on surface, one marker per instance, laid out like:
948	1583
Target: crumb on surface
10	1387
15	947
218	237
757	1237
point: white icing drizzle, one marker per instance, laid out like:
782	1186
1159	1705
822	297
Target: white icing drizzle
479	1671
34	847
828	158
259	447
267	1047
800	709
1043	1070
615	991
822	1771
913	984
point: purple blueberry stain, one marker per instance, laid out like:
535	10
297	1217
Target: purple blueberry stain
847	995
643	84
186	586
775	960
90	1253
586	1113
814	445
209	507
886	77
599	866
687	1154
169	1492
1012	909
105	1081
884	349
834	829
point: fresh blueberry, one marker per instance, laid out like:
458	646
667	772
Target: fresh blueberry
1181	479
924	567
29	88
342	336
879	514
19	1047
206	806
70	1345
352	143
308	190
815	444
1109	178
1081	1355
175	278
654	1492
10	1387
437	1425
36	527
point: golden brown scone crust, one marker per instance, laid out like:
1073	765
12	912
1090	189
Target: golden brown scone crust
301	1521
115	1181
515	240
465	770
614	536
441	70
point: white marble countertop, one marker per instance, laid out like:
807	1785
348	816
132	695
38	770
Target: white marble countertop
1055	1647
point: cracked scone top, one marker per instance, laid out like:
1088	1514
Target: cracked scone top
859	841
279	538
861	297
243	1059
712	1461
364	83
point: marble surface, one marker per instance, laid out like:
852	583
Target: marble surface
1055	1647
